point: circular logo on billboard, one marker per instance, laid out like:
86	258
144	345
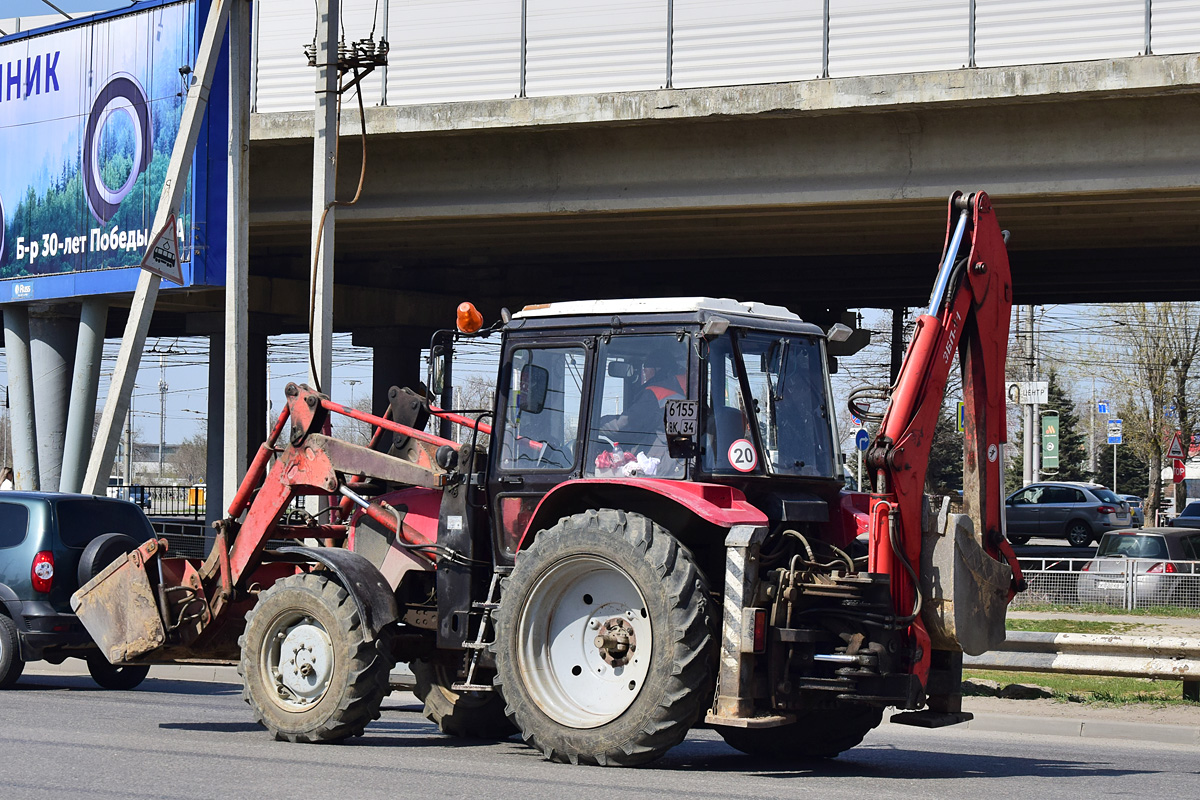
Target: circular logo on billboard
742	456
122	94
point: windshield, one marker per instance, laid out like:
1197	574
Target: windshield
767	406
1192	510
1106	496
1132	546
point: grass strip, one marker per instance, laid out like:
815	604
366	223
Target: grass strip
1091	688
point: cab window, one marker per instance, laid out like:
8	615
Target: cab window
636	376
541	420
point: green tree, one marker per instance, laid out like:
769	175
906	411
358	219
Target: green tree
1072	434
945	472
1133	471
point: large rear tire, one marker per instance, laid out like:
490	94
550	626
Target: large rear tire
11	663
468	715
309	673
815	734
604	651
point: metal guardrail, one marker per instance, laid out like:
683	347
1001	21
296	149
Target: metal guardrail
1160	657
1126	583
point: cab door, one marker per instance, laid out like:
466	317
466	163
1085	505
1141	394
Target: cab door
537	439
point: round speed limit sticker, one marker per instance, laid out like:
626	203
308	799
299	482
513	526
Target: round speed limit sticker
742	456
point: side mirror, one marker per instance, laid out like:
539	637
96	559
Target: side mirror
535	381
437	370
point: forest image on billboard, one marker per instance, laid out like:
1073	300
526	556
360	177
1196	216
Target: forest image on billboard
88	117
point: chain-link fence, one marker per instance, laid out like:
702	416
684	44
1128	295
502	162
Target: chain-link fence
1125	583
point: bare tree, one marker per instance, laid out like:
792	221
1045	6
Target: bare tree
189	462
1161	342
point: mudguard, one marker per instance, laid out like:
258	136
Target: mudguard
371	593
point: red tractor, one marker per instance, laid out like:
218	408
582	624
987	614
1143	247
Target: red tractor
648	531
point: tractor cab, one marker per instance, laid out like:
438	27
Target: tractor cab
678	389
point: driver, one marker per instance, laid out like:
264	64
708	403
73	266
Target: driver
663	378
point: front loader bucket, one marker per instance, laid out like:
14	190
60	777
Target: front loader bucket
118	607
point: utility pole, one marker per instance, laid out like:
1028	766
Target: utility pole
1035	428
162	412
1092	434
129	444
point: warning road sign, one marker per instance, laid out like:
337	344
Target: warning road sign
162	257
1176	448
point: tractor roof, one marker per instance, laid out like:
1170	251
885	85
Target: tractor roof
655	305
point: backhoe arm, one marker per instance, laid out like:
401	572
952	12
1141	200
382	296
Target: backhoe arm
968	317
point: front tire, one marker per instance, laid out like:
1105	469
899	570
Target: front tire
1079	534
11	663
1018	539
120	677
309	673
815	734
604	651
468	715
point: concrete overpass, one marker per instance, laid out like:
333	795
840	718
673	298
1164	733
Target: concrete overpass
826	194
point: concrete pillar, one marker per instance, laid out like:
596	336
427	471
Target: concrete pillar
396	359
324	187
237	265
256	396
81	415
20	398
52	331
214	501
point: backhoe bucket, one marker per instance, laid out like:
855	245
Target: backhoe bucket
965	590
119	609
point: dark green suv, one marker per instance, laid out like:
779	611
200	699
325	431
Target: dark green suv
50	544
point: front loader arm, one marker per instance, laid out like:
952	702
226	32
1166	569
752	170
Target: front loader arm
967	319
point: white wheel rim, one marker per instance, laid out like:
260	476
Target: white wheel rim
572	679
297	661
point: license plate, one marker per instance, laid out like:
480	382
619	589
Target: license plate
682	417
1109	585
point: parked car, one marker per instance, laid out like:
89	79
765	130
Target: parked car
1078	512
1136	513
1157	560
1188	518
50	544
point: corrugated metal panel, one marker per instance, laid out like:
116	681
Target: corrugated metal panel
285	82
1175	27
447	50
283	78
1038	32
717	43
581	46
877	37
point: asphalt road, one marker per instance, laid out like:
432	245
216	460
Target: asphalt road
62	738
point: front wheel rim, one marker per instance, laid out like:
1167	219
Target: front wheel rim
297	661
584	642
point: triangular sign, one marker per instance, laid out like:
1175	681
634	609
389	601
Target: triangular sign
1176	449
162	257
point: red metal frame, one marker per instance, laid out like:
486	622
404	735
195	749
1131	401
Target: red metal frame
717	503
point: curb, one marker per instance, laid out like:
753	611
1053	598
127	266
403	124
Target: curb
402	680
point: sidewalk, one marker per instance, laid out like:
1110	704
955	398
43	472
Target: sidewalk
1178	725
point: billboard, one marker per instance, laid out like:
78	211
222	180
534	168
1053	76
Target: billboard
89	111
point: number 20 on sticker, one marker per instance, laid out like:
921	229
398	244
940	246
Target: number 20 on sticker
743	456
